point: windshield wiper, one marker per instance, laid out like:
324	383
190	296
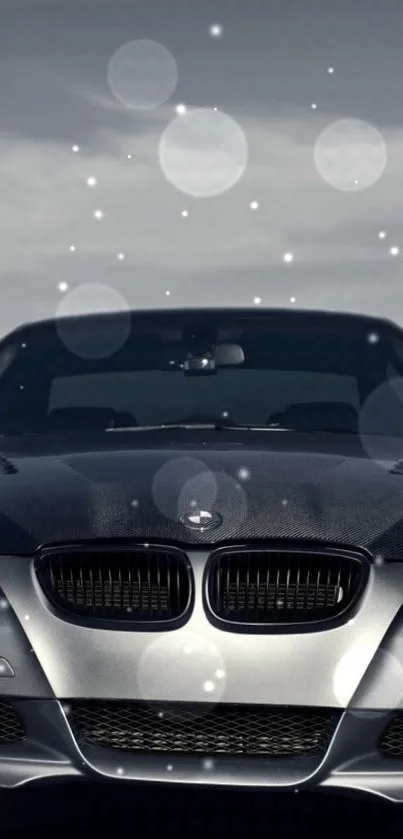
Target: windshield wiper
206	426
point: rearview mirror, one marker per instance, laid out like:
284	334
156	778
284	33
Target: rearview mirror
228	354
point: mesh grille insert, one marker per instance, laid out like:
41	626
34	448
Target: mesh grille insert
391	744
280	586
140	585
189	728
11	726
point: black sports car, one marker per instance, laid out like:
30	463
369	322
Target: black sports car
201	570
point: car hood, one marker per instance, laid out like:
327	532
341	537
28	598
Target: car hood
277	490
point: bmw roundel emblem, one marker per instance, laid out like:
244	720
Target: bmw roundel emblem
200	520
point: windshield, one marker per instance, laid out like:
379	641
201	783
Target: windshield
282	373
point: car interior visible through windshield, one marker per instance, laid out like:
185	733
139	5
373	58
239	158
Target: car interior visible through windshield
266	375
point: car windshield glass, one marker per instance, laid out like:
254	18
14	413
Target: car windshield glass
93	374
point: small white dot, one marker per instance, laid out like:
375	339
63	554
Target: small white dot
257	300
72	248
185	213
75	148
98	214
208	764
215	108
129	157
254	205
225	414
220	674
379	560
146	544
394	251
21	387
288	257
120	257
120	771
63	286
91	181
314	106
181	109
215	30
209	686
243	473
135	503
23	346
330	70
160	714
293	299
373	338
167	293
382	234
169	767
3	603
26	617
66	709
284	502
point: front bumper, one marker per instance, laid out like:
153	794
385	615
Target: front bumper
50	751
355	669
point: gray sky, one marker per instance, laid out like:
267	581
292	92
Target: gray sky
264	72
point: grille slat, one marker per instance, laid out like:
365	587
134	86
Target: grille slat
281	587
140	585
189	728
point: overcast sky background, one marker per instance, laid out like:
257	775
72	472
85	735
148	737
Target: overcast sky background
268	67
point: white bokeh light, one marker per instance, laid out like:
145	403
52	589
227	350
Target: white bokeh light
142	74
103	339
179	482
394	250
203	153
288	257
382	234
98	214
91	181
350	155
215	30
181	667
254	205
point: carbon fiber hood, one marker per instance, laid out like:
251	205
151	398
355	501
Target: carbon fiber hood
283	488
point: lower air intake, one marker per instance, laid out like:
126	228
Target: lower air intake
11	726
193	729
283	586
391	744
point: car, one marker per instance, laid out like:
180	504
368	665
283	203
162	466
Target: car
201	570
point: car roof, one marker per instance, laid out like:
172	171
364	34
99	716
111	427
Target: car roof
314	317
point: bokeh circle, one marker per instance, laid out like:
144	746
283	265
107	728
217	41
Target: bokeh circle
105	335
350	155
203	153
142	74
